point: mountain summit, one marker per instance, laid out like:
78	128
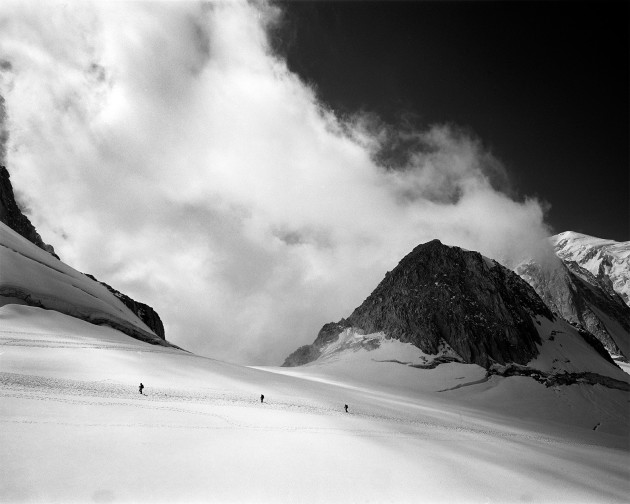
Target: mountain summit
443	304
440	296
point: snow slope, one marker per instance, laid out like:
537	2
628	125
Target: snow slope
602	258
75	429
29	275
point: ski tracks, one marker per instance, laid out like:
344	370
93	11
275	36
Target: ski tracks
214	406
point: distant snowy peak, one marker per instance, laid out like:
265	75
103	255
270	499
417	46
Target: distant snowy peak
583	300
606	260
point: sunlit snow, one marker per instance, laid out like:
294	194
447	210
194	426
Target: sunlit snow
76	429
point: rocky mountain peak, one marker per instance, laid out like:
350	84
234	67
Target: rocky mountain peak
439	294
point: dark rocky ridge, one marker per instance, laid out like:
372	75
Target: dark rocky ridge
144	312
553	379
481	309
12	216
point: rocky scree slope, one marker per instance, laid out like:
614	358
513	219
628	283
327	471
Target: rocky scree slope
439	294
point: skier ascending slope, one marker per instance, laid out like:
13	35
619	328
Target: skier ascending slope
140	388
262	397
346	407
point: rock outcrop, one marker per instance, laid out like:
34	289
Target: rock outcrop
144	312
439	294
12	216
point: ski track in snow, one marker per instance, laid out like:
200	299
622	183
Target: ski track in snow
198	402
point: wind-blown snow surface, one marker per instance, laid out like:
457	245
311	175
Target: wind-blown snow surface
75	429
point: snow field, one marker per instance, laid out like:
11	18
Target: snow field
75	429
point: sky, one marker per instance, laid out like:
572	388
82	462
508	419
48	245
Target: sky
544	86
252	170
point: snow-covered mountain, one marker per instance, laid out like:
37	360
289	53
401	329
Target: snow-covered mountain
31	276
577	296
75	428
606	260
456	305
461	384
25	261
584	285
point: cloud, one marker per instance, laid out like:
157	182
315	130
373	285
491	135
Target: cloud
166	149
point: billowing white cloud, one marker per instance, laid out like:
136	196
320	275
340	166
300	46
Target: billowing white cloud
164	148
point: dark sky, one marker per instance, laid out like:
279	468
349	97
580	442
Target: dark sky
544	85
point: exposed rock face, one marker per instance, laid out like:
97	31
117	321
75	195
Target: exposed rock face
303	355
553	379
12	216
144	312
436	294
587	301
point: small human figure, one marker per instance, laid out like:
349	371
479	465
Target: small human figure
140	388
346	407
262	397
